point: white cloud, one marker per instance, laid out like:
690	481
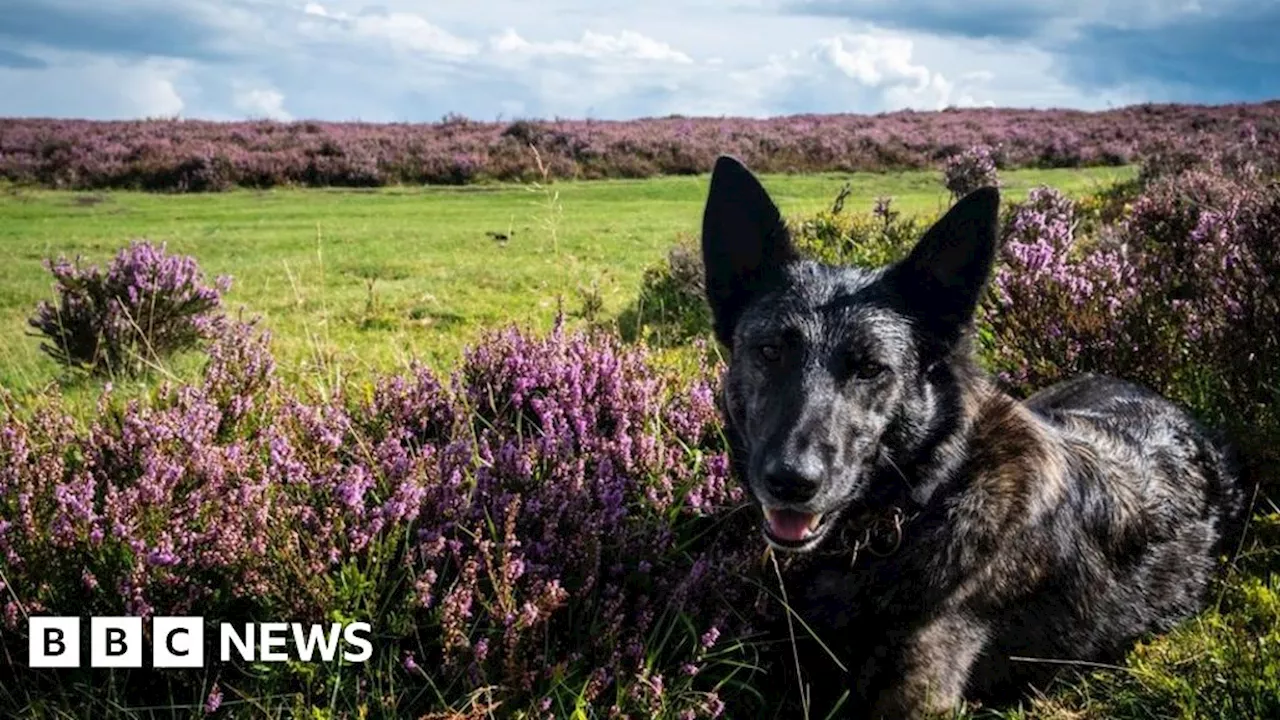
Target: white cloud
874	59
885	61
261	103
851	72
153	96
413	32
404	31
626	44
101	87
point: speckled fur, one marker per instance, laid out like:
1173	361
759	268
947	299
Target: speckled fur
1061	528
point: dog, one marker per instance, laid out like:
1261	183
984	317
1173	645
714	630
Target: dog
951	543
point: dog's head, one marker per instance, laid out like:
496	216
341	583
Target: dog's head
838	374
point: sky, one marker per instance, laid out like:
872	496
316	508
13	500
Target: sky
401	60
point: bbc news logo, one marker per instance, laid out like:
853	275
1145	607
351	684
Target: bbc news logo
178	642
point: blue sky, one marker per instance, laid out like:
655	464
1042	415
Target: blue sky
399	60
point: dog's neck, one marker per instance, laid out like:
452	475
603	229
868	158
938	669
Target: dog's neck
941	461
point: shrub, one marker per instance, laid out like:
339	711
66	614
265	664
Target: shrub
197	172
1169	156
863	239
1181	295
540	532
148	305
1209	249
671	308
193	155
1238	155
969	170
1056	305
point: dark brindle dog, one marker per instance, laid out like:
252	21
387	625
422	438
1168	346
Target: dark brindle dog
1061	527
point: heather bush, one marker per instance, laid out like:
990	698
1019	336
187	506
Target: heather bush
1239	154
969	170
1210	244
1056	305
1169	156
1181	294
197	171
147	305
542	532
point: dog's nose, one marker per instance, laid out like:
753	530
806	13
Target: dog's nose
790	483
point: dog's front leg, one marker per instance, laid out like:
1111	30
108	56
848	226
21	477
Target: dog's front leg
932	669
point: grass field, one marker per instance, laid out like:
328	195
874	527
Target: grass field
365	280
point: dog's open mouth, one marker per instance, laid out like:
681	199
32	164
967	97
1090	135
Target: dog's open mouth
792	529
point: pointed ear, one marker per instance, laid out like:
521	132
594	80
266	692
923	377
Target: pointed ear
745	243
943	277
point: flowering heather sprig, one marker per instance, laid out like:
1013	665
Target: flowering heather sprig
214	701
148	304
583	450
240	371
969	170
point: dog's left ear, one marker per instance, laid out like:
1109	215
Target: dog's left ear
943	277
745	244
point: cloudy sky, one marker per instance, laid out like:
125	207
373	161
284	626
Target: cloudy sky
406	60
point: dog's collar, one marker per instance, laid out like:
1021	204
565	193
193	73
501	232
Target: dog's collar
876	530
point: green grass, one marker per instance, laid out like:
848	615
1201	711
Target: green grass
364	280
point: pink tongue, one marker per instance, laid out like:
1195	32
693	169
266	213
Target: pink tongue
790	525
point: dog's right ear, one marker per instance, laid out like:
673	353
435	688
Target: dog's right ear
745	243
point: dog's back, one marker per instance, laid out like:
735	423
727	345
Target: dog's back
1160	469
1149	501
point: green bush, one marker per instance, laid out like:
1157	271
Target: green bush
866	239
671	308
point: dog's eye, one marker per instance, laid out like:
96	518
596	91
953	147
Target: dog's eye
870	370
864	369
769	352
